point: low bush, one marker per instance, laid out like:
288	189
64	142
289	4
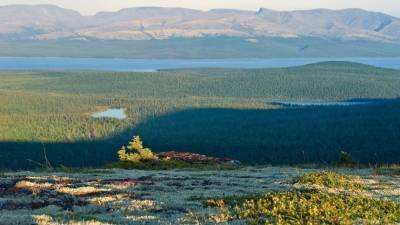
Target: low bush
295	207
330	179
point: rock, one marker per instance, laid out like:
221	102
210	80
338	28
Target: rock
195	158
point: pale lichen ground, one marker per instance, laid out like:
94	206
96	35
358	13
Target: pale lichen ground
147	197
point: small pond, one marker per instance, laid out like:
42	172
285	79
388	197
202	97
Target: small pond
115	113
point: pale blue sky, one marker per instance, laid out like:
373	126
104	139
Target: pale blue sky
88	7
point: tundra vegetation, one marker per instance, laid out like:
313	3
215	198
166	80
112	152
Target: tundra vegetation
247	195
316	198
194	110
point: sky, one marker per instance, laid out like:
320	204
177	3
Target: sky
90	7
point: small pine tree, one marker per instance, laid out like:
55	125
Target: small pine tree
346	159
136	152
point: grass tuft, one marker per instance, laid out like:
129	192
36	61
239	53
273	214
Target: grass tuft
391	170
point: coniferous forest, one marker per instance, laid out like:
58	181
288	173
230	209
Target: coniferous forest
218	112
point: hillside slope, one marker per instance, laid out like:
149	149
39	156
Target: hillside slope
46	22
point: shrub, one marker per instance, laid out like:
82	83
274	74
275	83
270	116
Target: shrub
330	179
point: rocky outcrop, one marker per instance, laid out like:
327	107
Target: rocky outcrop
195	158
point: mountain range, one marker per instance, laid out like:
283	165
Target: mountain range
48	22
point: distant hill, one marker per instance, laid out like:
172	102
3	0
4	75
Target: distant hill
151	32
47	22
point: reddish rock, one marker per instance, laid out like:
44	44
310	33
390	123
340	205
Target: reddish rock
195	158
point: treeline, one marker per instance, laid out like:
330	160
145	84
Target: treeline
334	80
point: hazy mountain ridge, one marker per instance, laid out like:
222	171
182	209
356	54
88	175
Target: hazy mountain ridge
47	22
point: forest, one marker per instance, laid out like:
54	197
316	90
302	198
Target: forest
219	112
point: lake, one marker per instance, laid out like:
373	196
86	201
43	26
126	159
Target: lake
149	65
114	113
322	103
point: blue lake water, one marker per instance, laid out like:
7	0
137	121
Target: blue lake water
322	103
149	65
115	113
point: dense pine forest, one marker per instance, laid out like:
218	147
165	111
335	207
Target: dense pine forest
220	112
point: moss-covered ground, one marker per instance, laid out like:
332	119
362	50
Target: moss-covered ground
246	195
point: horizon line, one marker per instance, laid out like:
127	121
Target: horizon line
200	10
